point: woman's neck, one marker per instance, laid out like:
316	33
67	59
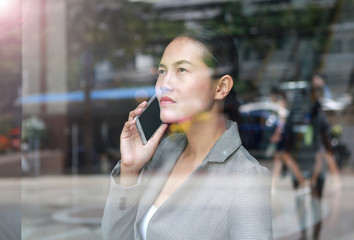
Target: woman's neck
202	133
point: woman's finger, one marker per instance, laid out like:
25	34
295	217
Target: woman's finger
126	129
158	134
137	111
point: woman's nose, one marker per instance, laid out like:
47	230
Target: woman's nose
167	83
164	89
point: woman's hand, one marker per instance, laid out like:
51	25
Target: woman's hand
134	154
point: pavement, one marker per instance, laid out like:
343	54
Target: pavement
70	207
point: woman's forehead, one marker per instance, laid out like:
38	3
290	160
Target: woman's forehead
184	48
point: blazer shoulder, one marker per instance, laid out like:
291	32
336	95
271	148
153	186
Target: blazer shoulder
247	165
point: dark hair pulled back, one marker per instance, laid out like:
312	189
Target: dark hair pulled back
221	55
221	52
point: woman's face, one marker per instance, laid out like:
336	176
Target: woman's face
184	87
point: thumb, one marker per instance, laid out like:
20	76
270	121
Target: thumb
158	134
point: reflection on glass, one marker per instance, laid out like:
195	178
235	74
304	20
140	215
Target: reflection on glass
85	64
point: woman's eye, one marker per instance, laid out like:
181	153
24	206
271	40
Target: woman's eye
182	70
161	71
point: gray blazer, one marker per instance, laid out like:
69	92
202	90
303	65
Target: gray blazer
226	197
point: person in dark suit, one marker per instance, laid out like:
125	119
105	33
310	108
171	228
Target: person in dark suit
199	184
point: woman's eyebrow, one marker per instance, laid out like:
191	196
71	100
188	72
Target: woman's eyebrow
183	62
180	62
162	65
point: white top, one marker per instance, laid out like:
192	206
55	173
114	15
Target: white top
145	222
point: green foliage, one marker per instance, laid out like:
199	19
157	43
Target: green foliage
33	127
108	26
115	31
269	21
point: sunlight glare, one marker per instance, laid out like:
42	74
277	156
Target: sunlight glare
7	6
4	4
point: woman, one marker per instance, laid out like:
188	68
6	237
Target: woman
201	184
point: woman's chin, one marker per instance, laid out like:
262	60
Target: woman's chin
172	119
168	120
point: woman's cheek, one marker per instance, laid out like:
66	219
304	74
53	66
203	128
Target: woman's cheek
158	89
196	104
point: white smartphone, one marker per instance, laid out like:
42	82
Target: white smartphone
149	121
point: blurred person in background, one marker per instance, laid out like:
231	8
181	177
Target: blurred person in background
278	138
324	151
318	138
319	81
198	184
306	133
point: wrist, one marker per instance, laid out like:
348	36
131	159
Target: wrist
128	169
128	175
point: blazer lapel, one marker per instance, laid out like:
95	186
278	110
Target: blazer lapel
156	180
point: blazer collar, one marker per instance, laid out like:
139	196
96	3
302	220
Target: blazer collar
227	144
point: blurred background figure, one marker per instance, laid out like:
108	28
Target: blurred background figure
277	96
277	139
305	131
324	150
319	82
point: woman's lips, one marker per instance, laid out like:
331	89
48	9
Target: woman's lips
166	101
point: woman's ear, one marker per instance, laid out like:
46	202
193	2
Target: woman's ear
223	87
